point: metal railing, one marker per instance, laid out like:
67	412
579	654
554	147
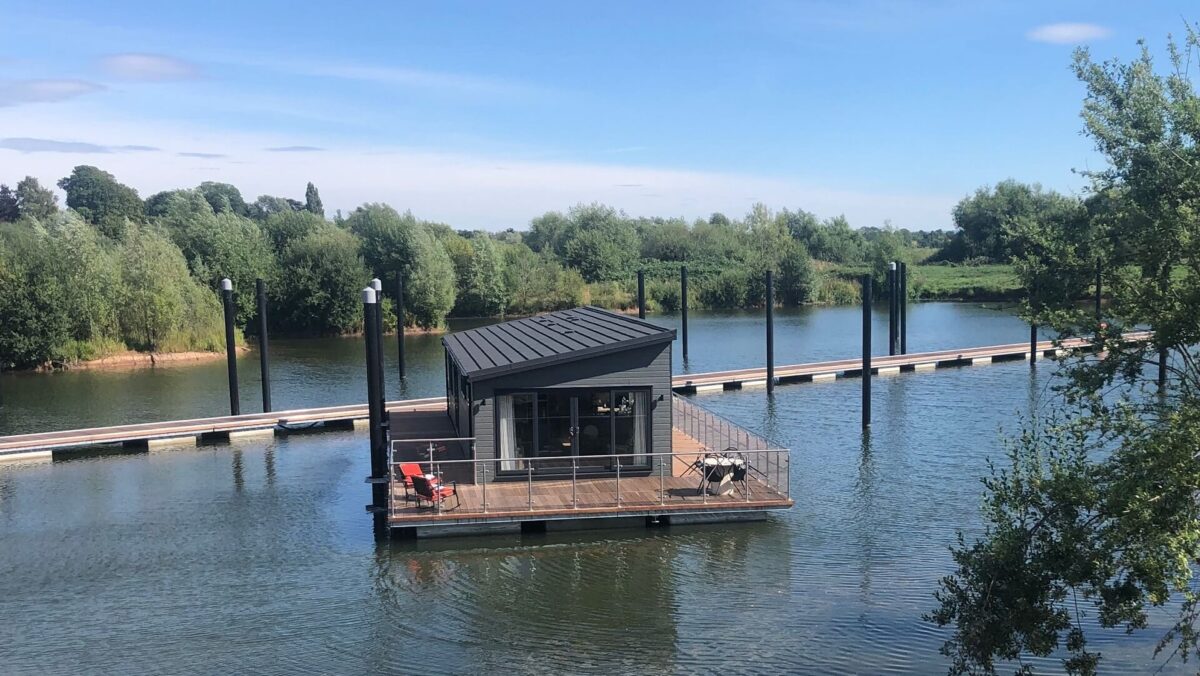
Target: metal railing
716	434
618	481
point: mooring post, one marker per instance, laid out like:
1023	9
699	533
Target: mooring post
683	299
903	307
1162	369
1099	273
770	333
400	322
377	286
230	347
866	358
1033	348
891	280
379	464
641	294
264	356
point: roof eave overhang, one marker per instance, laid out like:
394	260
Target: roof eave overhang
666	336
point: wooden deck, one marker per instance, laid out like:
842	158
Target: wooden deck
676	491
851	368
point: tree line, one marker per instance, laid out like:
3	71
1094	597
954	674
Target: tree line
112	271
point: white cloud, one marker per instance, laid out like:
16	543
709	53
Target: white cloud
294	149
42	145
148	67
17	92
1068	33
491	191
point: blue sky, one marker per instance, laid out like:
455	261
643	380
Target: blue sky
484	115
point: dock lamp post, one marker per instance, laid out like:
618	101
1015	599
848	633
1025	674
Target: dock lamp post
866	351
264	355
641	293
379	464
377	286
903	307
770	332
230	348
683	306
893	284
400	322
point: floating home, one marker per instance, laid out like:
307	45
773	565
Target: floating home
567	420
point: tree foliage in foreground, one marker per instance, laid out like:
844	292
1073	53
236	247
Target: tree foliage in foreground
1095	519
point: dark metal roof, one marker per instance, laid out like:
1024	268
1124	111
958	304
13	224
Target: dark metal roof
552	338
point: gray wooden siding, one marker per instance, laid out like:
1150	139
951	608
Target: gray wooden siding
641	367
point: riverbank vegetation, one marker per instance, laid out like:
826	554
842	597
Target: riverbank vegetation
1094	521
112	271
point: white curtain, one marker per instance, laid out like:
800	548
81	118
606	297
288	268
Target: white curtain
641	411
508	433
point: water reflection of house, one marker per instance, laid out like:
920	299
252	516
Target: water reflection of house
567	418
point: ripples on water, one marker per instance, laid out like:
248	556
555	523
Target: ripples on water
258	557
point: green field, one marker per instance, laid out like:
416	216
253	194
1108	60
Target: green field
950	282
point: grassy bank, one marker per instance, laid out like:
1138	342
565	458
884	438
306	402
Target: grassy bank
954	282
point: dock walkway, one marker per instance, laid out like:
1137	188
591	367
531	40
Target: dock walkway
228	427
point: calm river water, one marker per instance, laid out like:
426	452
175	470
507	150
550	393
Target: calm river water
257	556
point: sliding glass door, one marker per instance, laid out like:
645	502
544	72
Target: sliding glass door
593	424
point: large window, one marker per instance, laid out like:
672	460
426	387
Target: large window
593	424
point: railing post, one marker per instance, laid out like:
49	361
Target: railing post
437	473
662	479
747	482
529	484
485	483
574	495
618	481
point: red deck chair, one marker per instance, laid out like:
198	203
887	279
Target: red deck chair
433	492
408	470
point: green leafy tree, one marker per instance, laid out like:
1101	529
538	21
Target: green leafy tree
483	292
666	240
285	227
312	201
101	200
9	207
1095	516
983	218
154	280
36	323
220	245
393	243
266	205
223	197
605	246
320	293
89	269
158	203
34	201
551	232
797	279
